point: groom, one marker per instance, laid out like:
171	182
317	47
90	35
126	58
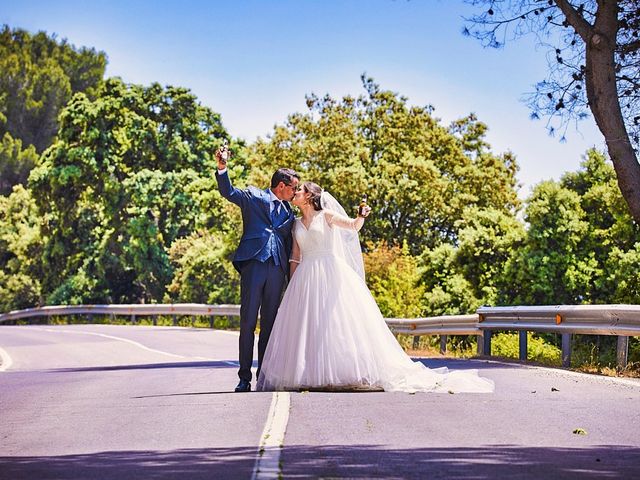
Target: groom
262	257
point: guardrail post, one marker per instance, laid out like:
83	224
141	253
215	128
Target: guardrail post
486	343
175	320
443	344
480	343
133	319
416	342
211	320
90	318
622	353
566	350
523	345
155	320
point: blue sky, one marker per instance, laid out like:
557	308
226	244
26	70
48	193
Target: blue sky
253	61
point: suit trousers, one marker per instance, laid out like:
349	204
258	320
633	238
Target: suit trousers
261	285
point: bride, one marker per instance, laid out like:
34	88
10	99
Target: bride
329	332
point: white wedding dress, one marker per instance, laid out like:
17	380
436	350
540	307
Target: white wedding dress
329	332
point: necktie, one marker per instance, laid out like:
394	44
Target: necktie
275	212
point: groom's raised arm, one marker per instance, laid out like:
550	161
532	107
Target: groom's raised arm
228	191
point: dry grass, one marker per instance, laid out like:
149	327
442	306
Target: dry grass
632	370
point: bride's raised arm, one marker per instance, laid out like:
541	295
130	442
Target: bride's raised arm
335	219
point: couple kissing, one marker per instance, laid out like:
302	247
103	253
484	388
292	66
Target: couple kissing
326	331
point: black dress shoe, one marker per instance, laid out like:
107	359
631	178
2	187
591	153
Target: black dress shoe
244	386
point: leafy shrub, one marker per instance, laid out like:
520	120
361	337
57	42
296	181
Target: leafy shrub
392	275
508	345
202	272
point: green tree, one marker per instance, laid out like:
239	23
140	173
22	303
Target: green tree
552	267
459	278
612	232
129	174
447	291
38	76
489	239
20	251
15	163
578	245
579	230
420	175
624	275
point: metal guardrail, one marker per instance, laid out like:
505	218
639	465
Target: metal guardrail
620	320
133	310
581	319
444	325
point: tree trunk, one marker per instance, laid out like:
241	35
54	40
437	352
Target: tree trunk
602	94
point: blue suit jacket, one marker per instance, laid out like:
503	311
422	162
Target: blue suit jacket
258	227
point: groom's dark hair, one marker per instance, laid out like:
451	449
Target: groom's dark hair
284	175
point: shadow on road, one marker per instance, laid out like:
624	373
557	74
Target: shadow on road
484	462
148	366
359	461
187	394
452	363
466	364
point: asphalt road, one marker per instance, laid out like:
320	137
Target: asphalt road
130	402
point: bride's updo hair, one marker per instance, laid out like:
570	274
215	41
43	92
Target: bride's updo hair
315	191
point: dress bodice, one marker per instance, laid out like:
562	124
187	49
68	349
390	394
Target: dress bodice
317	239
